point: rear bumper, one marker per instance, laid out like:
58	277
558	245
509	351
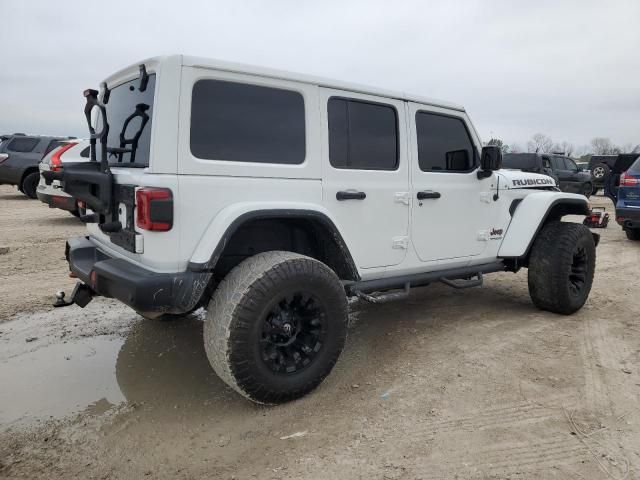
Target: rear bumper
141	289
63	202
628	217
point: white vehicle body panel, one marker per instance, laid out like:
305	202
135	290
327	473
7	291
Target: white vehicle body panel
211	221
390	233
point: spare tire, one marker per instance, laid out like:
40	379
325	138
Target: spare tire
600	171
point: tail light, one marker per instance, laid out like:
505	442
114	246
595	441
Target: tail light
629	181
56	161
154	209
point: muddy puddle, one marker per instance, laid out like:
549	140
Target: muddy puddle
71	361
59	380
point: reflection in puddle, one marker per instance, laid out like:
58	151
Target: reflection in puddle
158	364
165	364
59	379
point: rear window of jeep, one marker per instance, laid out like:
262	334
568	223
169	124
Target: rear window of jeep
247	123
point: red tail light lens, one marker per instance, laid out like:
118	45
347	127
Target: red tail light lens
629	181
154	209
56	161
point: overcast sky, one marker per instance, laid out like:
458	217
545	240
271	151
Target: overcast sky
570	69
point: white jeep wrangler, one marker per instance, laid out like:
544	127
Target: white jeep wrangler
270	197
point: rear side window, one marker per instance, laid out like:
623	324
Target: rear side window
444	144
23	145
85	152
247	123
362	135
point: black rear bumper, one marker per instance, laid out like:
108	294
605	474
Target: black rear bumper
140	288
628	217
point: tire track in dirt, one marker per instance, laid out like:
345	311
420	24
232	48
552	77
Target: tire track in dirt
596	354
524	412
513	458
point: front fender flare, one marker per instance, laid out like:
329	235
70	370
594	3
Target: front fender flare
530	215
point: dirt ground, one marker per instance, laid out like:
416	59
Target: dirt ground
447	384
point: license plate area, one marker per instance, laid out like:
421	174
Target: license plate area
124	198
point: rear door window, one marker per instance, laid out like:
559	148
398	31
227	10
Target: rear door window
247	123
444	144
22	144
362	135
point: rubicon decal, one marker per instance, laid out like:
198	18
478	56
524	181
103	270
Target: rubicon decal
533	182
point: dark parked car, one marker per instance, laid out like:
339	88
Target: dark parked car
567	174
623	187
600	166
19	158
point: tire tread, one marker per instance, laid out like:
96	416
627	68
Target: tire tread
231	304
550	259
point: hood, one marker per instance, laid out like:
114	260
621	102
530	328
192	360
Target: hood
519	179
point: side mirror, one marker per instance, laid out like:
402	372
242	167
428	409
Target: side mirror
490	160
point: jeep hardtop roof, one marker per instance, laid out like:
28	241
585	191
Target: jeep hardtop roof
202	62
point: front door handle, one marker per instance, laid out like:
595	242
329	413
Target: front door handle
428	194
350	195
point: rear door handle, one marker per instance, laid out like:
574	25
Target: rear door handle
350	195
428	194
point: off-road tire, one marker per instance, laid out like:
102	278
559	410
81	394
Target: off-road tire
633	233
234	325
561	267
29	184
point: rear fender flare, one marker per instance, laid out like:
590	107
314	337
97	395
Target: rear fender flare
225	224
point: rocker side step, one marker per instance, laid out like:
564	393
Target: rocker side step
464	283
385	297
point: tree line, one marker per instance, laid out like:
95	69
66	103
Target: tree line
542	143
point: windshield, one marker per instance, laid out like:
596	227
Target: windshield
129	143
519	161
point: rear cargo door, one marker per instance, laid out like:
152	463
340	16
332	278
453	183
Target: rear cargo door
134	163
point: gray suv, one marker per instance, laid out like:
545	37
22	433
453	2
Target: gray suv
564	170
20	155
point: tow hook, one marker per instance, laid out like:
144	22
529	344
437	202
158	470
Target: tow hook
81	296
